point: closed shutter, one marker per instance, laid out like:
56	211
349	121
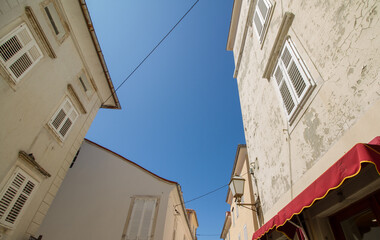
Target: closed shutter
245	233
141	221
292	79
261	17
19	52
64	119
14	197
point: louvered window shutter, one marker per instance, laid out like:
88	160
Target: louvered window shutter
14	197
261	17
245	233
19	52
141	221
64	119
292	79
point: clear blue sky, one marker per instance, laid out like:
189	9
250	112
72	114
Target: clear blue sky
180	114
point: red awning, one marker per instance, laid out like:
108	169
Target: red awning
346	167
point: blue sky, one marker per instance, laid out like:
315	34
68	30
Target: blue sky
180	114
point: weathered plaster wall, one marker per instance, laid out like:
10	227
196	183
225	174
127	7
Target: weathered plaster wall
27	107
339	42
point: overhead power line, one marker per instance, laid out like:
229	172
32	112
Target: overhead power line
207	193
147	56
207	235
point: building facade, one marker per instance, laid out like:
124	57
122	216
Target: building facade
308	78
193	221
99	199
242	220
53	80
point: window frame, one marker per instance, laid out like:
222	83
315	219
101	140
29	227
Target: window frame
371	203
53	20
131	215
290	89
20	191
85	84
30	52
52	122
264	21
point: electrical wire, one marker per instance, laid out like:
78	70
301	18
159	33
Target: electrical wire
158	44
208	193
207	235
201	196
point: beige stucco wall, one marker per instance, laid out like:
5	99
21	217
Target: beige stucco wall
95	198
339	42
27	107
176	220
242	216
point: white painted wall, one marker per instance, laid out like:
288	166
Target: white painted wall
95	197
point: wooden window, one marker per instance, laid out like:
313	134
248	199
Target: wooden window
15	196
19	52
55	20
293	80
63	120
245	232
85	84
261	17
140	224
237	211
233	217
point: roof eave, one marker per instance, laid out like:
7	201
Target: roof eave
240	146
99	52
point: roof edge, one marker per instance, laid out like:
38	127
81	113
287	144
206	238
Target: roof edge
142	168
99	52
240	146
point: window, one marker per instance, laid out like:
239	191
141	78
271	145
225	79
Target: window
19	52
15	196
261	17
245	232
360	220
55	20
85	84
233	217
293	80
237	211
63	119
141	220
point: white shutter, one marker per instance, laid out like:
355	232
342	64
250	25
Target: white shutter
19	52
63	119
292	79
14	197
261	17
245	232
141	221
296	74
287	97
237	211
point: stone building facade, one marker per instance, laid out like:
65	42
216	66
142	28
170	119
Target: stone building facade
53	80
309	86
